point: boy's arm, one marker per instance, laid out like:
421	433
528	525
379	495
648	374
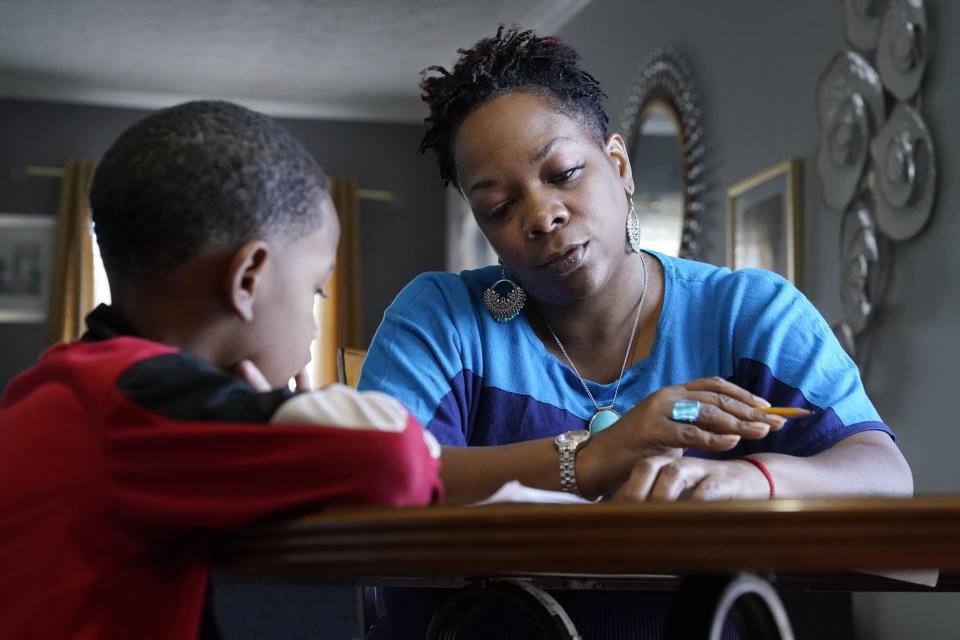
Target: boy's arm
205	457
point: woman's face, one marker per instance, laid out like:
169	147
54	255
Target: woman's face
550	200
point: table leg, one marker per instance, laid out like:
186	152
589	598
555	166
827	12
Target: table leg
552	620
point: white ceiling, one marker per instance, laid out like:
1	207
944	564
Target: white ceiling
350	59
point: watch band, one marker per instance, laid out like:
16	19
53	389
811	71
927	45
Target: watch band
567	445
568	470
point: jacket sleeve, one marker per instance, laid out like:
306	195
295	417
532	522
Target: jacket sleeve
333	446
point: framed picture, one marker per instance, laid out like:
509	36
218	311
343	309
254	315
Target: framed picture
764	221
26	260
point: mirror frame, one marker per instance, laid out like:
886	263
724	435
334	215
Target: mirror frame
665	79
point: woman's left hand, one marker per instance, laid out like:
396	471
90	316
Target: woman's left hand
671	478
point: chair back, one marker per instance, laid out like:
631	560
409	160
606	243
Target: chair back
349	361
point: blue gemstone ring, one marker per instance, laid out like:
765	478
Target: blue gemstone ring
686	410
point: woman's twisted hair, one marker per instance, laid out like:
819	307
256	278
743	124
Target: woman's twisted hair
513	60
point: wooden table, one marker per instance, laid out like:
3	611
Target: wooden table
818	539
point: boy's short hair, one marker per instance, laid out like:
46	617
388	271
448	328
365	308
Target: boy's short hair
200	175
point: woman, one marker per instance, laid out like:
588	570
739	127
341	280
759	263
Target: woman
684	352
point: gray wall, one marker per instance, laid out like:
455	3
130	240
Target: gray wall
756	64
398	239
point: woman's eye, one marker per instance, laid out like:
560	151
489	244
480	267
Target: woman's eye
566	176
323	294
497	212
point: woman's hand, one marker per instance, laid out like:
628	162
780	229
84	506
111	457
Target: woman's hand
648	430
726	414
867	463
669	478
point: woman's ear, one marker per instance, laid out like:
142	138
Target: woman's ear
245	277
616	148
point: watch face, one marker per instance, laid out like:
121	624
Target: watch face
573	437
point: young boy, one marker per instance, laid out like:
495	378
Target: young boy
123	454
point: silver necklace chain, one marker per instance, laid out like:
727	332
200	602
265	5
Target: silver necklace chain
626	356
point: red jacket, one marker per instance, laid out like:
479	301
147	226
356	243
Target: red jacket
121	459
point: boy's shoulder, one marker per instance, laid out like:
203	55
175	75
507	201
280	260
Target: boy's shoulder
83	363
76	382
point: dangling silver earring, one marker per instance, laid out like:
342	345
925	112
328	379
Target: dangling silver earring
633	227
504	307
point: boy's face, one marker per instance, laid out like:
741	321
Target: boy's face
284	323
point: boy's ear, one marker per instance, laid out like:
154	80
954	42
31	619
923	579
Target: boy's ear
245	277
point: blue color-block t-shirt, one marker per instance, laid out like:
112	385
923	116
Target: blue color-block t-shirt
474	381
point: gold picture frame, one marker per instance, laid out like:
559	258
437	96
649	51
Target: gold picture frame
765	221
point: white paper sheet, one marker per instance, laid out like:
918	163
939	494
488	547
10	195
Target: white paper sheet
513	491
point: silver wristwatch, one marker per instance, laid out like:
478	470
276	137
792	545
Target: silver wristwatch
567	445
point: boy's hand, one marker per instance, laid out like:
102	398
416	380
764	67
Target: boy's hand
246	370
301	381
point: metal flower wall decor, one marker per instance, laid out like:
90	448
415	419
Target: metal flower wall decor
875	160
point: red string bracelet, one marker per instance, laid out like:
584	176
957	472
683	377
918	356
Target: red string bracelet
763	470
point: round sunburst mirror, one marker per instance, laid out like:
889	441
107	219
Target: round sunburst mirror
664	137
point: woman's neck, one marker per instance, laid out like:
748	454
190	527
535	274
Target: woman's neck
595	331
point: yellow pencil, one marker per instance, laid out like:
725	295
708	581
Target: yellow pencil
787	412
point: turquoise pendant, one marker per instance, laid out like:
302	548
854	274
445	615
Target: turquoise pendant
602	419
